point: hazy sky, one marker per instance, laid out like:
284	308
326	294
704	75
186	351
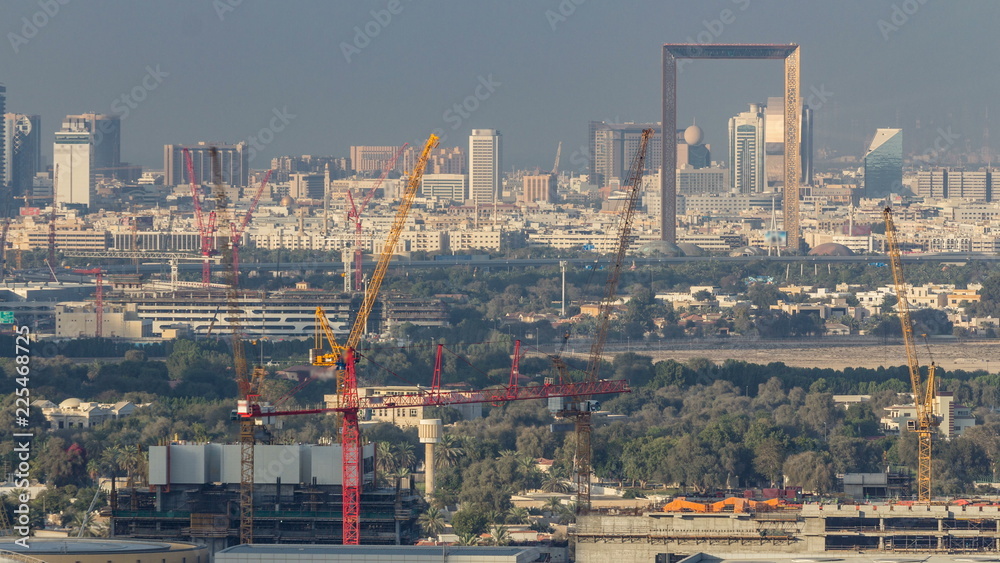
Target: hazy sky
223	70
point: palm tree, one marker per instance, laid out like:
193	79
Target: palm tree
90	528
499	535
495	516
568	513
468	539
404	455
518	515
504	454
555	484
448	452
432	522
385	462
553	506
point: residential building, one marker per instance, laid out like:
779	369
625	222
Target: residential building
539	188
953	417
485	166
373	159
441	161
746	151
233	159
883	164
698	181
74	413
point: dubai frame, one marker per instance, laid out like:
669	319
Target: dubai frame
672	52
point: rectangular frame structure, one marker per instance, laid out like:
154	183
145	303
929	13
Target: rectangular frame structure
672	52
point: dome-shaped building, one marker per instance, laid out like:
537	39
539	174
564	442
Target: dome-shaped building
831	249
691	249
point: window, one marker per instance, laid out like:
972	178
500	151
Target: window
413	412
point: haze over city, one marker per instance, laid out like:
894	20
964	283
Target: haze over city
227	65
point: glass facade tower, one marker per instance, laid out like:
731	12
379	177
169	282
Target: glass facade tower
884	164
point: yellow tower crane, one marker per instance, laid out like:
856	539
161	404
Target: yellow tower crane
923	396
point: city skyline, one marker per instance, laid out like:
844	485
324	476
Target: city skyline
166	92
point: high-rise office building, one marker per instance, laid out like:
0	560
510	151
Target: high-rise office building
692	152
485	165
72	161
774	143
106	132
884	164
614	145
234	160
746	151
22	152
954	183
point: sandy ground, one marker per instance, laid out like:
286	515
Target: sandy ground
950	354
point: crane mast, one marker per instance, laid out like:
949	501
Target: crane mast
923	396
580	411
248	384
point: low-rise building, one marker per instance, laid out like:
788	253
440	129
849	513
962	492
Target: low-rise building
954	417
74	413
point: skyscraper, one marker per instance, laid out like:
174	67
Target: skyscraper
614	145
485	165
72	161
3	150
106	132
22	151
774	142
884	164
746	151
234	159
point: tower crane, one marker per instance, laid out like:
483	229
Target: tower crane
206	227
580	410
354	213
923	395
248	384
238	229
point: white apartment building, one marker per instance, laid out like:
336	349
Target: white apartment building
954	418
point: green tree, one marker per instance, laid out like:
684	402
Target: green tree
470	520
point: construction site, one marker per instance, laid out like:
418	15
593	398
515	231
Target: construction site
739	527
256	491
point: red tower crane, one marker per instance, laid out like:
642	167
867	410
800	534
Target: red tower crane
238	230
206	229
98	297
354	213
350	404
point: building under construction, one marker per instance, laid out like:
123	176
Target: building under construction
194	491
877	529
